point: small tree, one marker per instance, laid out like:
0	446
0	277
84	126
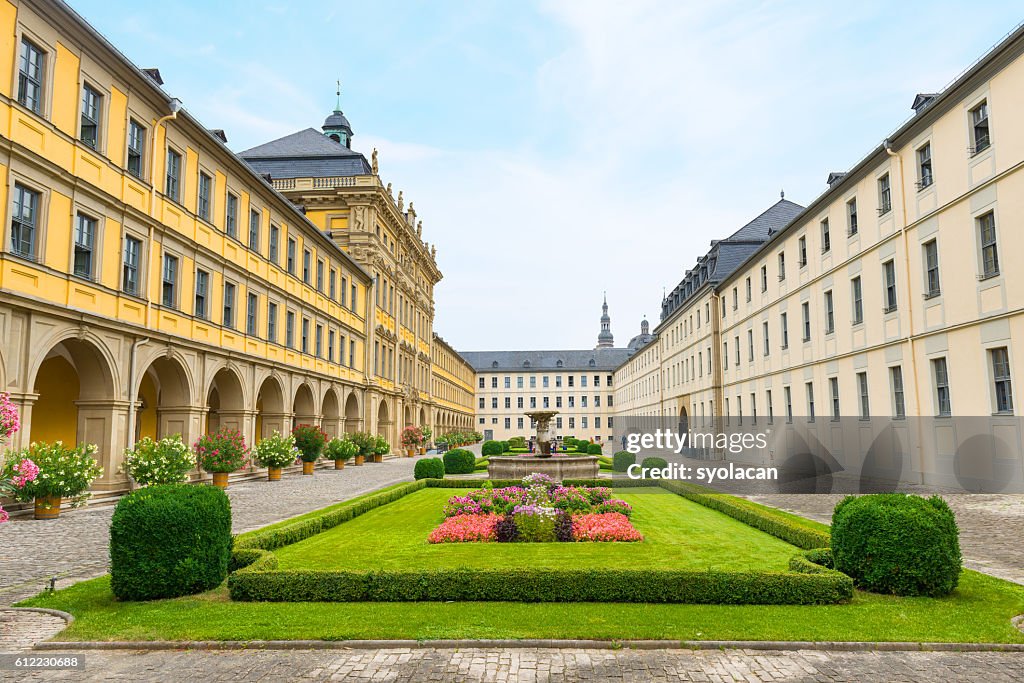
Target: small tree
341	450
276	451
412	437
310	440
222	452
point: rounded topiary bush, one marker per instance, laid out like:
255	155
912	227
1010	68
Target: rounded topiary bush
429	468
654	463
896	543
504	446
594	449
622	460
459	461
169	540
490	448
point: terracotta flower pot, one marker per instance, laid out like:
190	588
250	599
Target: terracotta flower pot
220	480
378	458
409	452
47	507
339	464
273	474
423	450
307	467
360	459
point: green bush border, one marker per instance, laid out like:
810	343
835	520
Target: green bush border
255	576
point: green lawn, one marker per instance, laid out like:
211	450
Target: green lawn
979	611
677	534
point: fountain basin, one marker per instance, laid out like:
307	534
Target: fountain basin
557	467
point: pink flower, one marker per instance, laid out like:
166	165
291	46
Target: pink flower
26	471
610	526
465	529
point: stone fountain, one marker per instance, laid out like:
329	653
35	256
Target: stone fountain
559	467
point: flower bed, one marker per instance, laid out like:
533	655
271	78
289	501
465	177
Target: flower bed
540	510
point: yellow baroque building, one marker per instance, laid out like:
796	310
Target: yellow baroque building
154	283
891	295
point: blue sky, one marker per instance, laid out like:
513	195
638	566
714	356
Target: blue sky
560	148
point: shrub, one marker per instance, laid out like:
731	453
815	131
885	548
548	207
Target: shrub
310	440
563	528
429	468
491	448
276	450
653	463
506	531
897	543
622	460
412	437
517	442
364	441
615	505
504	446
340	449
594	449
381	446
518	451
169	540
167	461
224	451
459	461
63	471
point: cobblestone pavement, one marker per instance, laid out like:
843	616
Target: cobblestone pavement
20	629
991	526
74	546
539	666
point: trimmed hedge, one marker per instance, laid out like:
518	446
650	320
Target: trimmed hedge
459	461
897	544
654	463
622	460
801	533
594	449
491	448
428	468
501	483
515	584
169	540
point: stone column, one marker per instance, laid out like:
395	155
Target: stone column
24	403
104	422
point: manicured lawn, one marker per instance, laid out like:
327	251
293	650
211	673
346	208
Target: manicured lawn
678	534
979	611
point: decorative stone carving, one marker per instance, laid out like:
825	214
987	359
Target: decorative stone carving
373	161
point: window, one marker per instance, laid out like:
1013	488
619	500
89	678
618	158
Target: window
989	250
802	252
320	275
318	341
229	305
942	397
508	423
289	332
749	290
305	335
307	263
136	147
784	324
750	345
344	290
273	244
130	265
782	265
290	264
851	217
810	401
862	388
172	187
898	404
272	321
830	320
924	166
332	286
771	408
980	138
725	355
24	222
480	382
735	298
833	388
330	346
764	287
351	354
764	332
884	195
787	395
169	288
858	300
805	310
826	237
931	269
889	278
202	293
481	404
352	301
30	76
255	218
1001	376
92	106
85	241
203	205
252	301
231	216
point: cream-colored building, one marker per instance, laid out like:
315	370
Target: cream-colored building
892	294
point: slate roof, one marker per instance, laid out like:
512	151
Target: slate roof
305	154
603	359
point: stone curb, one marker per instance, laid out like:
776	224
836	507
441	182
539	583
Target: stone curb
855	646
68	618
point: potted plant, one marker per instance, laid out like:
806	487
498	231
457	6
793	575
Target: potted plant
380	449
427	433
221	453
276	452
412	437
365	444
15	475
340	450
310	440
167	461
9	424
62	473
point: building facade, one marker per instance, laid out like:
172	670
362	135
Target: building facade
890	295
153	283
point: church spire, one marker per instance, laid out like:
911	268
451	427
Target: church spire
605	340
336	126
